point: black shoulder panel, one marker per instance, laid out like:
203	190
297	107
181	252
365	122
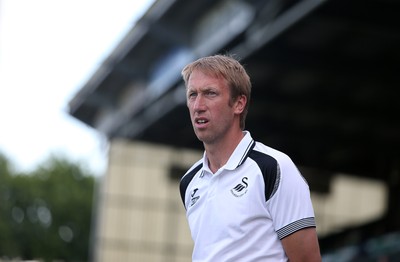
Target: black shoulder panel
186	180
269	168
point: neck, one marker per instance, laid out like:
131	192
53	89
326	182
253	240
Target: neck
219	153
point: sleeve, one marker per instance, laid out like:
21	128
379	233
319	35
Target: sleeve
291	207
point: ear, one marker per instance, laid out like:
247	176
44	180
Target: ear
240	104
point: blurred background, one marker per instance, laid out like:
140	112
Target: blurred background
103	182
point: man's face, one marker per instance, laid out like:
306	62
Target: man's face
208	100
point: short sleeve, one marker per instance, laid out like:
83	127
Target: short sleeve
290	207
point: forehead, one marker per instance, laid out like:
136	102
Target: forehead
202	78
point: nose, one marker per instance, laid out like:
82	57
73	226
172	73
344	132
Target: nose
199	104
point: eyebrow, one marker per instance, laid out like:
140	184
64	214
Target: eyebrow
202	89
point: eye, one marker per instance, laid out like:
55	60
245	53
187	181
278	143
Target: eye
211	93
191	94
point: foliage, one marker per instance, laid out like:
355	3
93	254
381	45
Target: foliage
45	214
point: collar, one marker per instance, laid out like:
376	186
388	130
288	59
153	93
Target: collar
238	156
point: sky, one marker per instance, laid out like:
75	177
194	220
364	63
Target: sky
48	50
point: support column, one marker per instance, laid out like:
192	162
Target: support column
393	208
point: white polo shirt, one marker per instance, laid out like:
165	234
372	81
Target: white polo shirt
241	212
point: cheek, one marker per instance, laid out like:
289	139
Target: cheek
222	113
189	105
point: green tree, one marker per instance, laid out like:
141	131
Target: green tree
46	214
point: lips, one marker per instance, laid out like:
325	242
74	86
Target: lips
200	122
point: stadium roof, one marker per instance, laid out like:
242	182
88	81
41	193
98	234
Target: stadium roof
325	84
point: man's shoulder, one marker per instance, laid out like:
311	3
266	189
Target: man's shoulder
273	164
193	169
187	178
267	151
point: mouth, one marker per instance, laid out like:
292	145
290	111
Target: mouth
200	122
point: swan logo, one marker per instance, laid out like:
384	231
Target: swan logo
241	188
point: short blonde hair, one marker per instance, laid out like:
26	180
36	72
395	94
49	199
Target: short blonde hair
229	69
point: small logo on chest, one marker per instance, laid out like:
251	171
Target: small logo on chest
193	198
241	188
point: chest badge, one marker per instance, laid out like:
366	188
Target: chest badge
193	198
241	188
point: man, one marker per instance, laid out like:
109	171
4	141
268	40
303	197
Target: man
244	201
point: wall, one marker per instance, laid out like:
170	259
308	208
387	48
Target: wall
140	213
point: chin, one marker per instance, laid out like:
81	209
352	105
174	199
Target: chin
201	137
206	139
